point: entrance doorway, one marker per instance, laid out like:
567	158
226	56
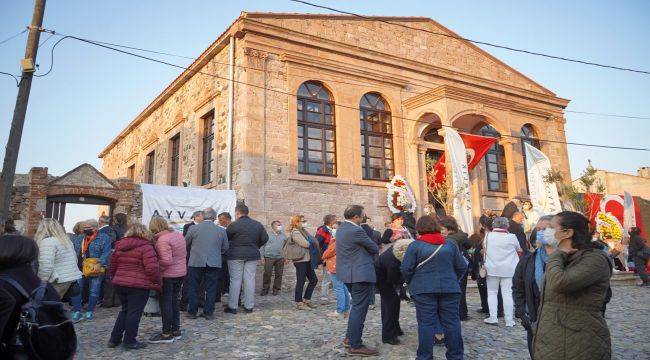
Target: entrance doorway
57	207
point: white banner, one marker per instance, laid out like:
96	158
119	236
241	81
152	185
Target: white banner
629	218
462	202
176	204
543	195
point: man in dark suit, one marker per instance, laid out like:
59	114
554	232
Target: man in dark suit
355	253
197	217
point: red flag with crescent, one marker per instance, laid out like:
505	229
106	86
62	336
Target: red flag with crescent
475	145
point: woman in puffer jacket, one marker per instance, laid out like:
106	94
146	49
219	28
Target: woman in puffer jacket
172	253
57	261
135	270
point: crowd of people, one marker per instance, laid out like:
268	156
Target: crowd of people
548	271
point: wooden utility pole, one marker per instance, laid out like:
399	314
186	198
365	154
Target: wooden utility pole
16	132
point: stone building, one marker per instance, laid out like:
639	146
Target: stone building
308	113
617	183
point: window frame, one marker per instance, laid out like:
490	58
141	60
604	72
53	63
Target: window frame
174	160
150	162
303	127
499	163
130	172
207	149
385	118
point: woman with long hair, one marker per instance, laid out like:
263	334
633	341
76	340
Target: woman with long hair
57	261
570	322
135	271
172	251
304	265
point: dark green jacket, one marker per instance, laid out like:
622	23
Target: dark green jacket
570	321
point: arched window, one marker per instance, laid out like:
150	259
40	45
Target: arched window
376	138
316	132
495	161
529	136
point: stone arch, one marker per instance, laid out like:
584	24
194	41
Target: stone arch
422	121
487	118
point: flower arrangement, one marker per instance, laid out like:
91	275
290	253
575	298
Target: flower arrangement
608	226
400	196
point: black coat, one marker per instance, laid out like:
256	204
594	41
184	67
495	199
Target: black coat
518	230
525	292
246	236
187	227
388	270
11	301
636	245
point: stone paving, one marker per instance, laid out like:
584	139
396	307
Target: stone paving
275	330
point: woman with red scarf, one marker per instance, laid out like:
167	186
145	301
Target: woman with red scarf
432	268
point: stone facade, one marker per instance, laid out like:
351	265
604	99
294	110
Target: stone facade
426	80
617	183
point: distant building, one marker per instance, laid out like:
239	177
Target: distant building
327	108
617	183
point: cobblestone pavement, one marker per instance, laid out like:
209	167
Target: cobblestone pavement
275	330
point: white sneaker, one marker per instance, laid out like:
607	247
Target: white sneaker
491	321
510	323
334	314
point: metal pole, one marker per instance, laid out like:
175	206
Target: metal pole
16	131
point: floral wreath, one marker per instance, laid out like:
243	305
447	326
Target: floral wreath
400	196
608	226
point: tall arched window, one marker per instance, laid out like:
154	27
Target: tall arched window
495	161
316	132
529	136
376	138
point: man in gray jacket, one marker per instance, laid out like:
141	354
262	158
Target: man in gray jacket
206	242
272	258
355	267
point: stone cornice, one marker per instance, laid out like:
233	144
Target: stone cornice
250	26
345	69
178	119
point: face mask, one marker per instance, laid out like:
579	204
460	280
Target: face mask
89	231
279	228
548	237
305	224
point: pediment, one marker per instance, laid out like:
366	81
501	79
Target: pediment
84	175
437	46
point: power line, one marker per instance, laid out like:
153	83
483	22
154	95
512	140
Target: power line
12	75
529	52
294	95
13	36
52	33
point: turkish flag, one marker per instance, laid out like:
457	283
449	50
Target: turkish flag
476	146
613	206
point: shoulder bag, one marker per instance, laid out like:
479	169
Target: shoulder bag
482	270
430	257
292	251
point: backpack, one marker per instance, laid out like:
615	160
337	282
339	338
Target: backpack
45	329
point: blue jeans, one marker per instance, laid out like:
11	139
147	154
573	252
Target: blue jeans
211	278
360	294
94	290
342	294
432	310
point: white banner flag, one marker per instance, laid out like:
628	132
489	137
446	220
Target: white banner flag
629	218
462	202
176	204
543	195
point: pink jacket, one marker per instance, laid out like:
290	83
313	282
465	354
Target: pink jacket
172	254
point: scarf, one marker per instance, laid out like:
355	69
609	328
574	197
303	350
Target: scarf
540	261
87	241
433	239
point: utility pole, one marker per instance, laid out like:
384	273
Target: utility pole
15	134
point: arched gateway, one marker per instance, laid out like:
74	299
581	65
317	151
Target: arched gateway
47	196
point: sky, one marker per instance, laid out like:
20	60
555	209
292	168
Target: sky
92	93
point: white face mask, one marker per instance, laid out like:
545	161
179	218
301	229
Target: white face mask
549	237
279	228
305	224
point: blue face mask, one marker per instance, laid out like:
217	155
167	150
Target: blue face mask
540	237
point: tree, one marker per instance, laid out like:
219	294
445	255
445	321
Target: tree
574	198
